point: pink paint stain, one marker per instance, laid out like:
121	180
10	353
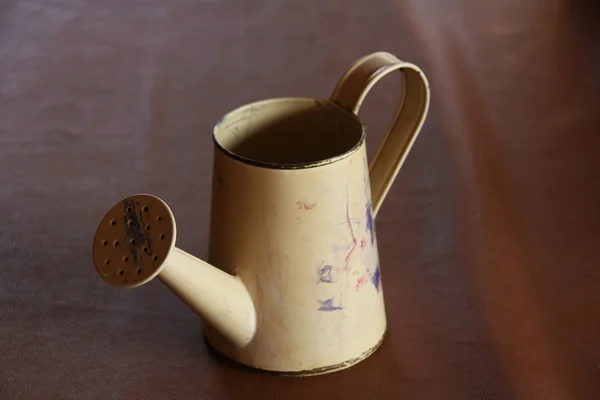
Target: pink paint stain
302	205
360	282
363	243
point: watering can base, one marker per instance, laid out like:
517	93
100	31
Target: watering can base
215	347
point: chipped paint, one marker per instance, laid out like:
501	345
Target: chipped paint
135	229
302	205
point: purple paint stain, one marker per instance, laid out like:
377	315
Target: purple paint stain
376	279
370	225
326	274
354	241
327	305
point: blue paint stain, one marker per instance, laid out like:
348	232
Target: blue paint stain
370	225
135	229
376	279
328	305
327	274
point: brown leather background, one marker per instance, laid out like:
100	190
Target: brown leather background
489	239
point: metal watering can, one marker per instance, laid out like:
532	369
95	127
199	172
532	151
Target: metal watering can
292	283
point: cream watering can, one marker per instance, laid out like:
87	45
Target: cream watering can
293	283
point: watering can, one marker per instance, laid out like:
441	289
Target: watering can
292	283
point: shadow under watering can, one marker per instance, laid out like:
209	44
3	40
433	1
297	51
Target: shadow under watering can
292	283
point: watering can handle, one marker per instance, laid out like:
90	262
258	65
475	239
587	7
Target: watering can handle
352	89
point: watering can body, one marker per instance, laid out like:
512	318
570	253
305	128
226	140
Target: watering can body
303	242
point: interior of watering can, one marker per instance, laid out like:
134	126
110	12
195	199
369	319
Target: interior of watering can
289	132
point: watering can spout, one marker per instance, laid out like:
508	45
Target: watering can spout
135	242
219	298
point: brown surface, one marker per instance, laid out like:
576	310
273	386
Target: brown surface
494	218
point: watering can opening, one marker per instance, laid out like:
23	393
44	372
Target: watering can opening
289	133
